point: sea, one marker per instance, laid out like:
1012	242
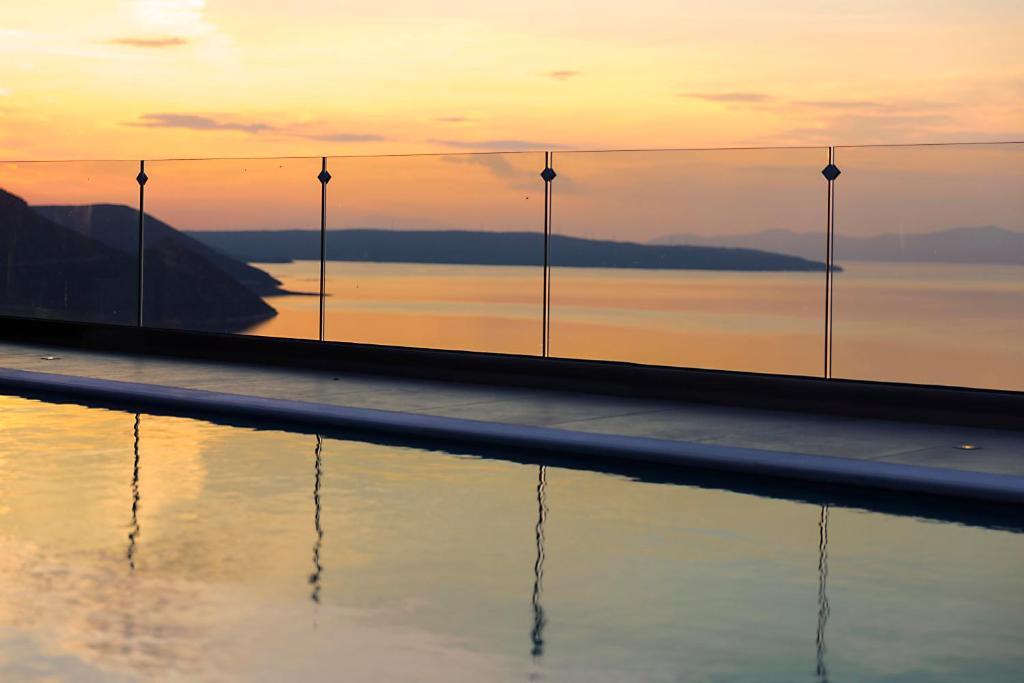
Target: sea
934	323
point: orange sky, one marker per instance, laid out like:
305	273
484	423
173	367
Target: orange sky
172	78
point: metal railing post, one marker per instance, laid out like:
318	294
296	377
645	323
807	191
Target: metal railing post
324	178
831	172
141	180
548	174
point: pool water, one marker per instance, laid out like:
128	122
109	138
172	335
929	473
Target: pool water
145	547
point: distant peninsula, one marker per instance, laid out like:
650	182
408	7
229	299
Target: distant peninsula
490	249
982	244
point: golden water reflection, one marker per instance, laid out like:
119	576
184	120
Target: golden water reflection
432	566
922	323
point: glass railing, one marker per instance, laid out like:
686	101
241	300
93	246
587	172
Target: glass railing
931	241
431	251
907	266
225	246
686	258
69	241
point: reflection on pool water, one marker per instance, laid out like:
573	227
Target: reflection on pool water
141	547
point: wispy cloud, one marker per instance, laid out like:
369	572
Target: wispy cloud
202	122
727	97
171	17
497	145
196	122
495	163
26	45
154	42
870	127
894	107
452	119
563	74
846	105
514	175
344	137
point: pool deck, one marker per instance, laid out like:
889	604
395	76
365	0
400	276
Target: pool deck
890	454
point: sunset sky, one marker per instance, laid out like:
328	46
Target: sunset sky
184	78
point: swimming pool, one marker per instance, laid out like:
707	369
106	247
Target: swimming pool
149	547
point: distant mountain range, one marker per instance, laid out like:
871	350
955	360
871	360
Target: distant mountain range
80	264
490	248
979	245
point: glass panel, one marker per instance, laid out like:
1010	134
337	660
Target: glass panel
69	241
234	246
710	259
437	251
931	240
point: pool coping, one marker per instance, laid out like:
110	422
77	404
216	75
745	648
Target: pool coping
961	484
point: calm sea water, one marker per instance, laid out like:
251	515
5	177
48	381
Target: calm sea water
924	323
140	547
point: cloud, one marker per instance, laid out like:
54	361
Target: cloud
170	17
514	175
344	137
841	104
452	119
729	97
14	33
858	128
208	123
5	92
522	179
196	122
25	45
562	75
165	41
498	145
495	163
875	107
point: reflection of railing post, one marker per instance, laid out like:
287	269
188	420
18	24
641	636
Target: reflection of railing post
831	172
539	620
314	578
324	178
548	174
141	179
824	610
135	529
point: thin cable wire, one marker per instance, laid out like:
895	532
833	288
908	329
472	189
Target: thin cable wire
567	150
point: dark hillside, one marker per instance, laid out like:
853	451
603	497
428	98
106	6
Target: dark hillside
117	226
51	271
